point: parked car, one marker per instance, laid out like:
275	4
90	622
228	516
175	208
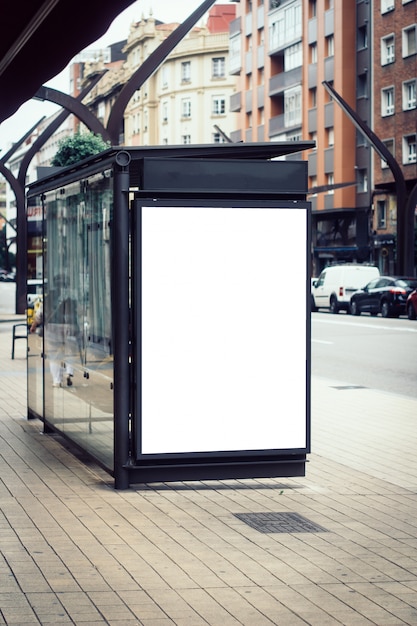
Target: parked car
411	305
336	283
386	295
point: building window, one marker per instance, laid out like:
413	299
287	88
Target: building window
185	107
387	101
387	50
185	71
293	57
186	139
381	214
312	9
218	138
409	41
362	37
285	26
164	76
330	137
218	106
409	95
388	143
362	181
330	183
313	53
292	107
330	45
313	185
313	97
218	66
409	149
362	85
387	5
165	112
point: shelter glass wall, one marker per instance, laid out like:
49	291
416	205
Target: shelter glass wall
78	354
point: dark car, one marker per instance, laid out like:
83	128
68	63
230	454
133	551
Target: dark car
411	305
386	295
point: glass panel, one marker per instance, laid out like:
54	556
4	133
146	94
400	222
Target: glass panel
77	314
34	307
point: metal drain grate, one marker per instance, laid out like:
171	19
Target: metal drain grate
280	523
344	387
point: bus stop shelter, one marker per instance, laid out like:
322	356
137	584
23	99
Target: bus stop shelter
172	344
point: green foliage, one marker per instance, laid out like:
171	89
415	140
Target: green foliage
77	147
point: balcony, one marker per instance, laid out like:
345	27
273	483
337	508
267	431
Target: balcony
312	120
312	164
248	101
284	80
312	30
260	94
235	27
260	56
329	160
235	102
329	22
329	69
248	62
312	75
276	125
329	115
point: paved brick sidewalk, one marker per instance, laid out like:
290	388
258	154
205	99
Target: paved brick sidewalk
75	551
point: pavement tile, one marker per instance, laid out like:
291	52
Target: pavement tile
74	550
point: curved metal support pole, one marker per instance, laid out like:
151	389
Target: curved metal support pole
405	219
21	268
71	105
75	106
147	68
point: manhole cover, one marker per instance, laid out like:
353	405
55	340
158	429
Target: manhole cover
280	523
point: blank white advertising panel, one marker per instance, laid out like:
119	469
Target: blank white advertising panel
223	329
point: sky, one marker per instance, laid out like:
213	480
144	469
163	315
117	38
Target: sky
12	129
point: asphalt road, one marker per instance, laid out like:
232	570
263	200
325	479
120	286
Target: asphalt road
369	351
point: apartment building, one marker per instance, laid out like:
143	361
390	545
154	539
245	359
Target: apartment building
186	99
282	51
394	116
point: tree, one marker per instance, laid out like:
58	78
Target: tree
77	147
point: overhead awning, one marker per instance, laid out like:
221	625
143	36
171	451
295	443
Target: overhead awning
40	37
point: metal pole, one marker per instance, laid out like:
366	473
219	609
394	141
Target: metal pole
120	319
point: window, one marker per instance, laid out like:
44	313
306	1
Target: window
387	5
330	136
381	214
292	107
218	105
362	181
185	71
330	45
409	149
165	111
313	53
185	107
286	26
312	8
362	85
313	185
387	50
388	143
293	57
409	41
387	101
313	97
330	183
362	37
218	138
218	66
409	95
164	76
186	139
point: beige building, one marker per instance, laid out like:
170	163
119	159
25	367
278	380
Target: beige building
186	99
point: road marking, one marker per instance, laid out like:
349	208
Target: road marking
330	343
362	325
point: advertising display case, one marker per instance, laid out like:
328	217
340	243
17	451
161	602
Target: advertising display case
182	355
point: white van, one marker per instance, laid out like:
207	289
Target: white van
336	284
